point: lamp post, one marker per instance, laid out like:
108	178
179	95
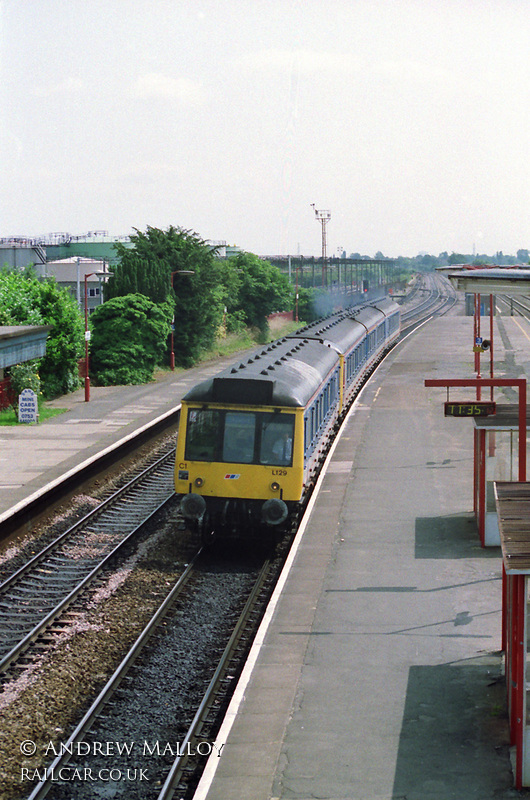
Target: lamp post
172	354
296	297
87	332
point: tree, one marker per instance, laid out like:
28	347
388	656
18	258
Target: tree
26	300
129	336
457	258
262	289
177	270
19	298
309	304
64	347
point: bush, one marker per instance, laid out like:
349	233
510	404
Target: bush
129	338
24	376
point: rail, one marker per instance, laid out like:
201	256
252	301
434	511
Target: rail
49	583
44	786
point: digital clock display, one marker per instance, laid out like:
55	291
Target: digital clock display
474	408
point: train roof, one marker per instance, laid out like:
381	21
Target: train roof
289	371
285	373
346	328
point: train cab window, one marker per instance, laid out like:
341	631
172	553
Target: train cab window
277	439
239	437
202	434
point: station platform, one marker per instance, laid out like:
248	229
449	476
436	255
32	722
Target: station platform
377	673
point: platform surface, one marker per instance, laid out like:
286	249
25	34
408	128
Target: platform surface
379	675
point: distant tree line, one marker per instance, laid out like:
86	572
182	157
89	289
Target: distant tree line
425	262
167	279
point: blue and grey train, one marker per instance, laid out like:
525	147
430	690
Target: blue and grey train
251	439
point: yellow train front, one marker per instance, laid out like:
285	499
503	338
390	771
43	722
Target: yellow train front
251	439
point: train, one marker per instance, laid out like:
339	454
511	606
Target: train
252	438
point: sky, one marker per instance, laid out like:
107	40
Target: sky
407	120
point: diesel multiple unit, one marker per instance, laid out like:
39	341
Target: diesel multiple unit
251	439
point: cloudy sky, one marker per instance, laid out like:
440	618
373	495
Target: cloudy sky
407	119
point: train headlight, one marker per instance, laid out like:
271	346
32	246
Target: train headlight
192	506
198	482
274	511
275	486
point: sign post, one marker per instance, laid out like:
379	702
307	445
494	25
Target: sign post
28	407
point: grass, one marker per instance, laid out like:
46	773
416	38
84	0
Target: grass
9	416
234	343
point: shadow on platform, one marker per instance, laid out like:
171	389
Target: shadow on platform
454	740
453	536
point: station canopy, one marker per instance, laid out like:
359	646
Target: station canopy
513	280
19	343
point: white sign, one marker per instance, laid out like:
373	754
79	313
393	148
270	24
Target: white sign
28	407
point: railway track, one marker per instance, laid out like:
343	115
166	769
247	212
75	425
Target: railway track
40	592
25	513
437	297
516	305
163	746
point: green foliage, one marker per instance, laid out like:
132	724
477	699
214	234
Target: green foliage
235	321
179	257
64	346
307	305
142	270
19	298
457	258
24	376
261	289
26	300
129	337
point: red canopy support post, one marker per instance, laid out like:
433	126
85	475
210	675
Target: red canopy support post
481	510
504	607
477	338
491	340
518	674
476	461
